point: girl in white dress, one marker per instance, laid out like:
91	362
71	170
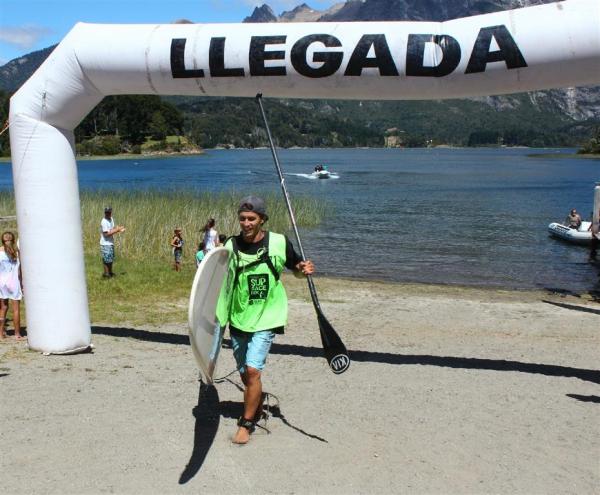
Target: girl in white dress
10	283
211	236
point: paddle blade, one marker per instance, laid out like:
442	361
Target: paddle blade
333	347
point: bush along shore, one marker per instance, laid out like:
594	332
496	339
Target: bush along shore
146	288
114	147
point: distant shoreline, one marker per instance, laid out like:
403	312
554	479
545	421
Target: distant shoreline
138	156
582	156
155	155
126	156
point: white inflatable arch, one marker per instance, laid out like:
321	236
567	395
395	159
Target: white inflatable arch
548	46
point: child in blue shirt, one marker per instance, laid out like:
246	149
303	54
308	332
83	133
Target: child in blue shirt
200	254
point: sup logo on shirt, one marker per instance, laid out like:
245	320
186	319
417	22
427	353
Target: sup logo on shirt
258	287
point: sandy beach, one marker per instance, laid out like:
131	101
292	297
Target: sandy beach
451	390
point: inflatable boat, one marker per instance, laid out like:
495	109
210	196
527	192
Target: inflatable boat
321	174
577	236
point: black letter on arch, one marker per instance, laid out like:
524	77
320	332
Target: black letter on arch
178	70
509	51
216	60
331	60
415	54
258	55
383	58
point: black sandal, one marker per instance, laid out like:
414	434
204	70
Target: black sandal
246	423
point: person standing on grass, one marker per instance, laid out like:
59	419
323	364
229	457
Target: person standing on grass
107	243
10	283
253	300
211	236
177	244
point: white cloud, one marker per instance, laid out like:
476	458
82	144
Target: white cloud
24	37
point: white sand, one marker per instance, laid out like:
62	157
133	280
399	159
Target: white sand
450	391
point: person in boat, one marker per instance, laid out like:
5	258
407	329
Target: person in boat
573	219
319	168
253	301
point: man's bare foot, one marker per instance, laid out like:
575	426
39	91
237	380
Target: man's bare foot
18	336
246	427
242	436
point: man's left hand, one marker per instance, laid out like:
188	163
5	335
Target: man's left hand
306	267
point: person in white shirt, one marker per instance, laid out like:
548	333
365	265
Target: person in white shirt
10	283
211	236
107	243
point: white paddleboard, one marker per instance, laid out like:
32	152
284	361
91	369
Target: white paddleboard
206	334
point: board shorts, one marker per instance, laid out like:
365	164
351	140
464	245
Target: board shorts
177	254
251	348
108	253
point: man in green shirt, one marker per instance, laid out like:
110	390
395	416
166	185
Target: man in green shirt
254	302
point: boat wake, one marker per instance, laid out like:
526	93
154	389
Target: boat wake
314	177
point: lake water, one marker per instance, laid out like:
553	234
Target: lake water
473	217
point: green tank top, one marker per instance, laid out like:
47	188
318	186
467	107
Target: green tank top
253	298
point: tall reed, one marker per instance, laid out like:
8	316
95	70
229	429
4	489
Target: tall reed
150	216
7	209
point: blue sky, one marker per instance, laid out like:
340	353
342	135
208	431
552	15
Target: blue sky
29	25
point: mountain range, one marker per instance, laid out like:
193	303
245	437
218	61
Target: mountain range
390	10
570	111
578	104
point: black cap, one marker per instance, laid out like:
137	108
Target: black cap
107	209
254	204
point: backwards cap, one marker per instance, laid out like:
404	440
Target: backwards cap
255	205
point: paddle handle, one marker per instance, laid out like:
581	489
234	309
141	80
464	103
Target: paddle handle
311	286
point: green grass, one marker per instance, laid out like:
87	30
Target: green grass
142	292
146	290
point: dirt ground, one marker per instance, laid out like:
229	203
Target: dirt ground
450	391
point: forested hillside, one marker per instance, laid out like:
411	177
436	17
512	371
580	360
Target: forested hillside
236	122
130	121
